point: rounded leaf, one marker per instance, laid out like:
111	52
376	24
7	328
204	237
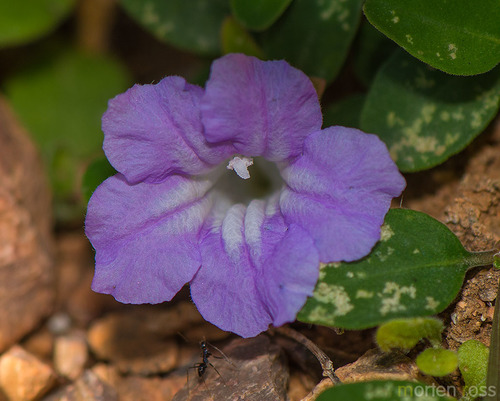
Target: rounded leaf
437	361
424	115
459	37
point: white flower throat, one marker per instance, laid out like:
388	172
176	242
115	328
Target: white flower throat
240	166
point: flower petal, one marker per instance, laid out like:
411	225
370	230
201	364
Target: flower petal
265	108
255	270
339	190
152	131
146	236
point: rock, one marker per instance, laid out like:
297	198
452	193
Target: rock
87	388
23	377
251	369
26	257
70	355
40	344
131	346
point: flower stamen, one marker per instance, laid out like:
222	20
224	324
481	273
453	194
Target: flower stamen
240	166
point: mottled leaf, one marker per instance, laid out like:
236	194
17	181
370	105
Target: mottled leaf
437	362
406	333
235	39
192	25
314	35
258	14
383	390
415	270
457	36
424	115
22	21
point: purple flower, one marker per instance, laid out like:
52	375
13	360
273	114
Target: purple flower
166	218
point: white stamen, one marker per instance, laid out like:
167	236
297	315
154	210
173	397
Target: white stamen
240	166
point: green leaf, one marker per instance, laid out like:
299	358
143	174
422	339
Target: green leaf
22	21
258	14
192	25
457	36
314	35
61	102
96	173
424	115
372	49
406	333
346	112
415	270
473	364
235	39
383	390
437	362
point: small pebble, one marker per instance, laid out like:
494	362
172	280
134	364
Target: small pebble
70	355
23	377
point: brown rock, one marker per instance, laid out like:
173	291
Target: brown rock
70	355
253	371
87	388
23	377
133	343
26	260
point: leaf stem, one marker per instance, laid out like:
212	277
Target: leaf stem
485	258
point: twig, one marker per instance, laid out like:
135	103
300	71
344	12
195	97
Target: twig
326	363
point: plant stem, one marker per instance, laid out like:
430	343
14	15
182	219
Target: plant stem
326	363
485	258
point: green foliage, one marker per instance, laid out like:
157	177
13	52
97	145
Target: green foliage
258	14
314	35
347	112
473	364
437	361
96	172
456	36
383	390
23	21
415	270
406	333
192	25
235	39
424	115
61	101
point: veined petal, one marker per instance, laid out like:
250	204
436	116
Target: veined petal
265	108
255	270
339	190
152	131
146	236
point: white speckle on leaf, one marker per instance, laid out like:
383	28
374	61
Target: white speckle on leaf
320	314
416	251
444	115
364	294
395	19
349	274
149	16
452	48
391	297
335	295
409	39
431	303
386	232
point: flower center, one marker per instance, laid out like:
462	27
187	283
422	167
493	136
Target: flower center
238	187
240	166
